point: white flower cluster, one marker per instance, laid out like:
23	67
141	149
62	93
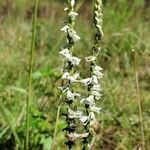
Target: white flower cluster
98	16
92	82
95	90
70	77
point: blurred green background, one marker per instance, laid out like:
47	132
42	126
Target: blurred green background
126	26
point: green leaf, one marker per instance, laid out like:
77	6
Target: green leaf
46	142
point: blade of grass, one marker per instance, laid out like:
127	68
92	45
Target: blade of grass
30	90
4	130
55	131
138	97
9	119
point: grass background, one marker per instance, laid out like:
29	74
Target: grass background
126	26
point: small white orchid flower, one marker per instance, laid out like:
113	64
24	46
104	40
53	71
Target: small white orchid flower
75	61
96	88
97	71
98	68
74	114
96	95
94	79
65	75
74	136
98	20
65	52
66	9
73	15
89	119
72	2
73	35
95	109
72	96
65	28
86	81
73	78
84	120
89	100
92	119
90	58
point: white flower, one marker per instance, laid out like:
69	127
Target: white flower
92	119
73	35
65	52
72	2
66	9
98	20
74	114
86	81
95	109
94	80
89	100
74	136
96	88
96	95
89	119
73	15
75	61
65	75
99	28
90	59
84	120
72	96
65	28
70	78
97	71
98	68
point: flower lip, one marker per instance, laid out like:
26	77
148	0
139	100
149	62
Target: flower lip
72	2
73	15
72	78
65	28
86	81
90	58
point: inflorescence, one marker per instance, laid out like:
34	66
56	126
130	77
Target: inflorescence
70	77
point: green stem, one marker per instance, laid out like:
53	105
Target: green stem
55	131
138	98
30	91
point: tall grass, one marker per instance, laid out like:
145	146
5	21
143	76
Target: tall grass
30	89
138	97
9	119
